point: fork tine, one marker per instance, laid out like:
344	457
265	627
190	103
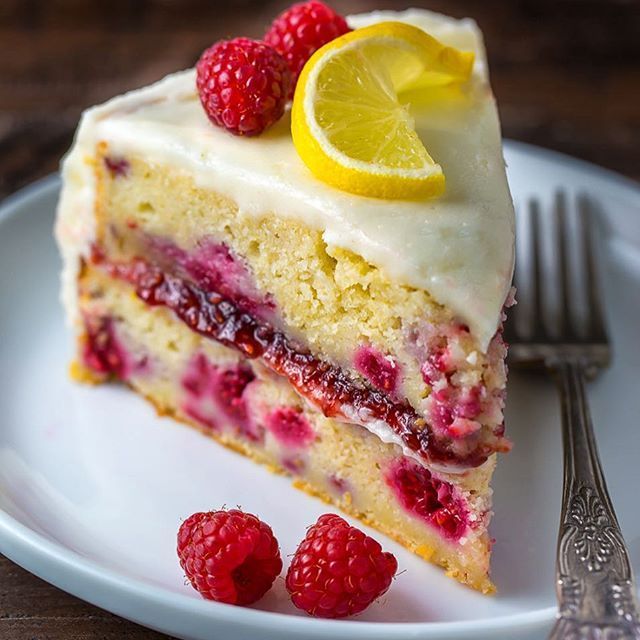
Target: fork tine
536	310
539	340
565	318
595	321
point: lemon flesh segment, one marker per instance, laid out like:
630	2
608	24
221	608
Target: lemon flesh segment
348	123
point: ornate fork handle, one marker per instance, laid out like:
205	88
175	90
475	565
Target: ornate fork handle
595	585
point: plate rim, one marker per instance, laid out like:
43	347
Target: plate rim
61	566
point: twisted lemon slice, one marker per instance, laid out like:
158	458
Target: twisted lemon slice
349	124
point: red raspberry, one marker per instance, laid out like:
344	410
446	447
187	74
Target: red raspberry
102	350
243	85
338	570
229	556
301	30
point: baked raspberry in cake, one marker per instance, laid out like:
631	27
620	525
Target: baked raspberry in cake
353	343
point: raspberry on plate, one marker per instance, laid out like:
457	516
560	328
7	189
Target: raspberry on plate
338	570
301	30
229	556
243	85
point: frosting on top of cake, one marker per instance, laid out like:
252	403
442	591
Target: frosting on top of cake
458	247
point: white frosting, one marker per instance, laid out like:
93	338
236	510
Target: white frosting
386	434
378	428
458	247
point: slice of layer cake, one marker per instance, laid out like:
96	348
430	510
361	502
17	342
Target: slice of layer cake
351	342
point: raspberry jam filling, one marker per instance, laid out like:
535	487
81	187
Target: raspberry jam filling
215	393
117	167
325	385
102	351
380	370
427	497
214	268
290	427
466	388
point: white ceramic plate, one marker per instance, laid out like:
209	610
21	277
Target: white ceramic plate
93	485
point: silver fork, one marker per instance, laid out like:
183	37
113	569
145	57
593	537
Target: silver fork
595	585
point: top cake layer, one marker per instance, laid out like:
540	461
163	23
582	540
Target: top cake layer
458	247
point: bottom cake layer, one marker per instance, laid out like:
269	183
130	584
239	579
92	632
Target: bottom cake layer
441	517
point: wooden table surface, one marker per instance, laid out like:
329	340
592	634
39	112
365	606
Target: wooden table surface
566	74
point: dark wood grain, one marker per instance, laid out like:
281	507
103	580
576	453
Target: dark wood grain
566	74
31	609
